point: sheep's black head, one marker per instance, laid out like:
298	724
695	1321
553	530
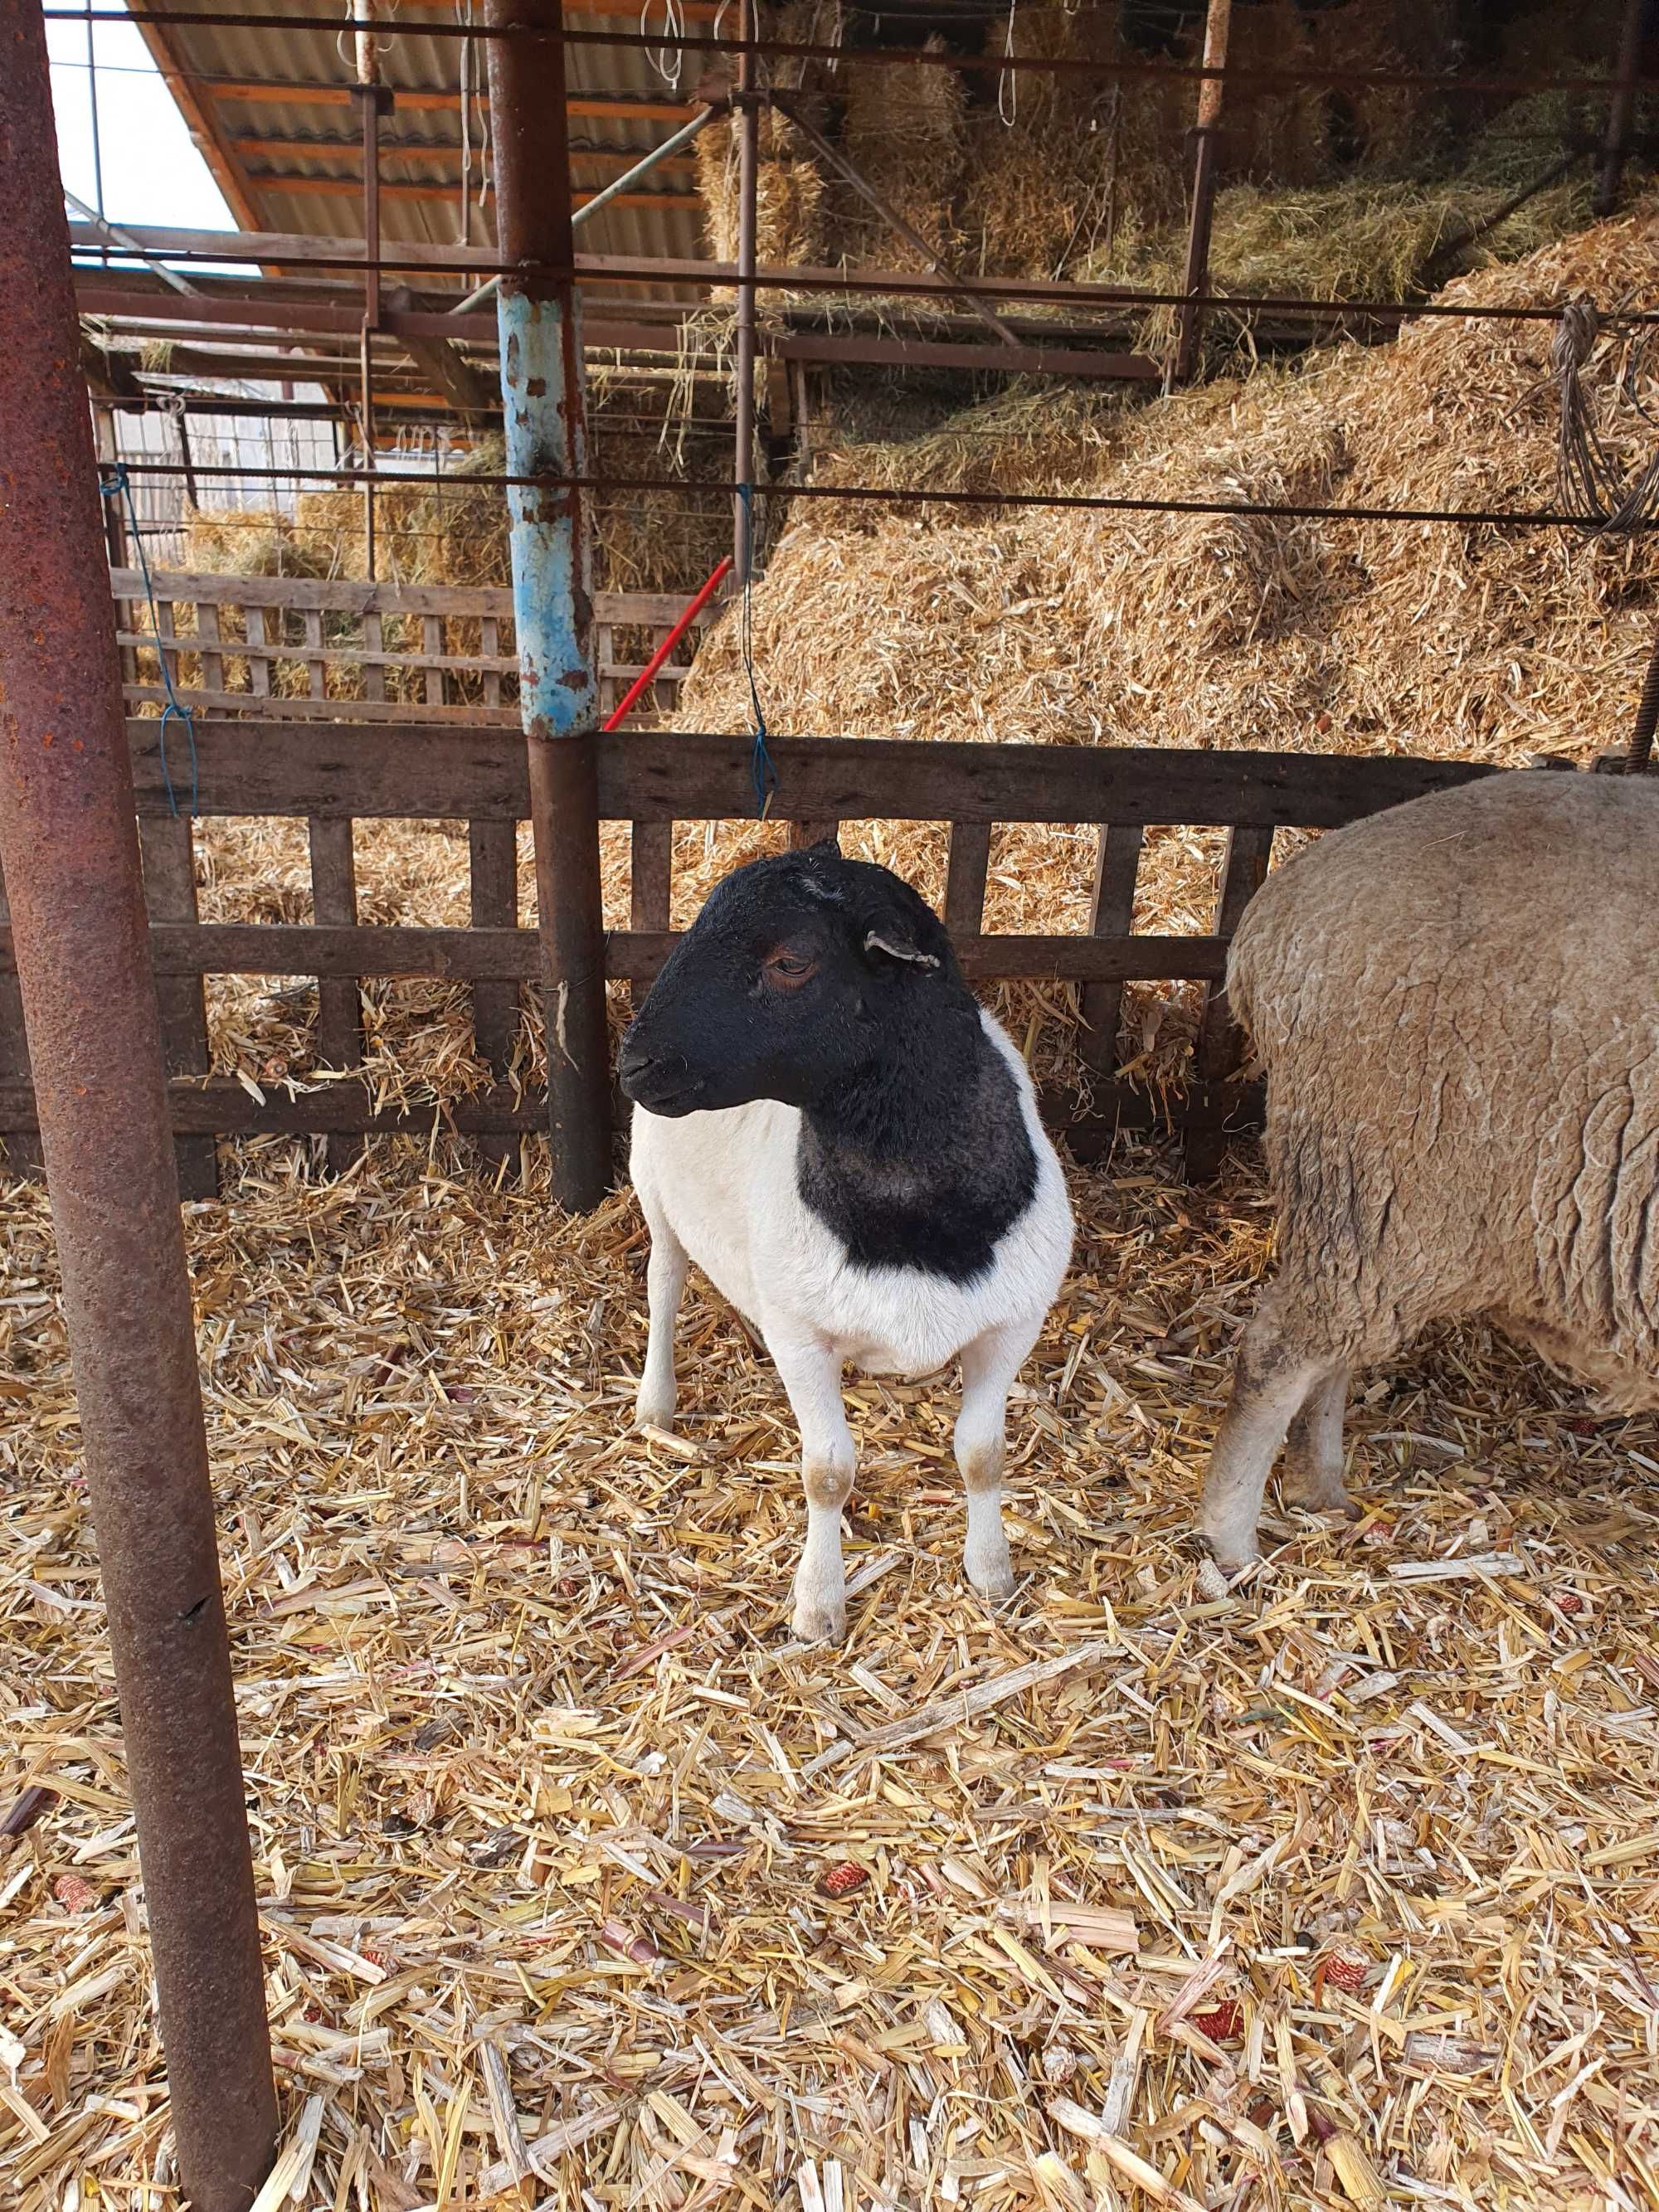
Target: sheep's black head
803	974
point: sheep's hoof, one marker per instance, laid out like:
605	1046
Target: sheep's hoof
654	1412
815	1621
1231	1554
992	1578
1319	1493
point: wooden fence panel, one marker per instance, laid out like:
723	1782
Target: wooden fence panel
445	745
1219	1052
965	872
493	866
167	850
339	1002
1111	914
272	605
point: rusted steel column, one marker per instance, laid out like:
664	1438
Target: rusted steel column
68	847
746	121
371	96
542	402
1205	130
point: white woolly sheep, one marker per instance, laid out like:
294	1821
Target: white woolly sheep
849	1148
1458	1006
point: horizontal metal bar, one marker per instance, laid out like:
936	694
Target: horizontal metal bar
1018	358
989	64
323	252
1288	510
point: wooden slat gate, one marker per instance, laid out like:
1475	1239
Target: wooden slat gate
333	776
331	649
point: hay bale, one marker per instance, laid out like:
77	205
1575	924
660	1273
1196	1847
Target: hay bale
904	132
1386	130
789	195
247	541
1061	162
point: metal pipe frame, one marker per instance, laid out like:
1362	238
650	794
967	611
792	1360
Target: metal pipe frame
592	268
543	406
903	495
1216	24
70	850
746	103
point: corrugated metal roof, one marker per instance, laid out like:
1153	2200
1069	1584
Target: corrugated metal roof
295	159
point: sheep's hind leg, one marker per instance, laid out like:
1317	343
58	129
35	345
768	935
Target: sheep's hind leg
989	1366
1312	1477
665	1284
1271	1380
811	1372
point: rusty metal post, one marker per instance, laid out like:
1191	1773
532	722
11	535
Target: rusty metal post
1206	131
68	847
371	96
542	403
746	114
1622	110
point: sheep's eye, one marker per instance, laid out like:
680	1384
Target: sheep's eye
791	969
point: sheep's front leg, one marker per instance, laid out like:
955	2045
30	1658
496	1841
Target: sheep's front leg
665	1284
989	1366
811	1374
1313	1450
1271	1380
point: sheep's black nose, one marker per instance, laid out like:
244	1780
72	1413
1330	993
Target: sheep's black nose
633	1063
644	1074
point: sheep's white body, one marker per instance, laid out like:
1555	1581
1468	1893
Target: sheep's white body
721	1188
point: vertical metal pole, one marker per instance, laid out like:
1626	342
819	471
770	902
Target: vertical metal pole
68	847
1196	279
747	109
542	404
368	93
1623	109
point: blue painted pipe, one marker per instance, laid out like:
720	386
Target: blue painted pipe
552	594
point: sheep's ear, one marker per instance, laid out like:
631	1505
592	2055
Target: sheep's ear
897	947
829	844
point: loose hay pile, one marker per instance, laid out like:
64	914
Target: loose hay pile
1220	630
1339	1890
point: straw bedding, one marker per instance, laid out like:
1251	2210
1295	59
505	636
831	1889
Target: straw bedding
1339	1890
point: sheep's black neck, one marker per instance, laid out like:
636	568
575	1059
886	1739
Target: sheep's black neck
922	1159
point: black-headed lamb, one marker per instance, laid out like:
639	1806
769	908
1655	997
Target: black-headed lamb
829	1125
1457	1004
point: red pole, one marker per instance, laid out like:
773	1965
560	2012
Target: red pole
68	848
648	675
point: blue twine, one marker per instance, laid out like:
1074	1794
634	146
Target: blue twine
115	483
761	766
